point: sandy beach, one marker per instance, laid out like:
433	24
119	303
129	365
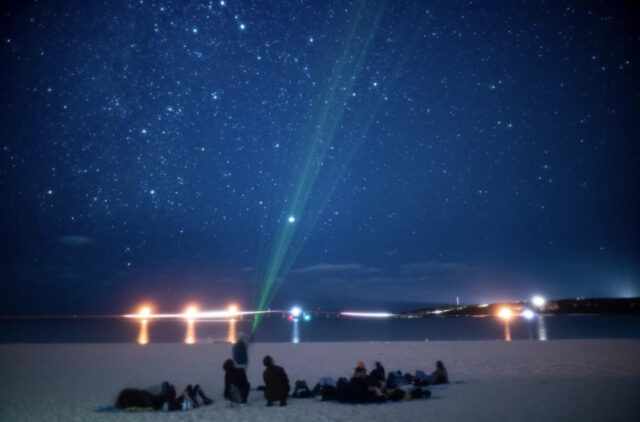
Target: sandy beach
562	380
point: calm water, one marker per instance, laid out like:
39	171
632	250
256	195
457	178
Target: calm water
320	329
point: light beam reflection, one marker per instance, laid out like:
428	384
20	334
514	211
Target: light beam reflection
231	338
190	337
295	338
507	330
143	335
542	329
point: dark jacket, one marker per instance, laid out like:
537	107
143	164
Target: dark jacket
378	374
235	376
239	353
276	383
440	376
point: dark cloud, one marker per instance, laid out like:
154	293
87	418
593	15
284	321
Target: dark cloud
433	266
325	268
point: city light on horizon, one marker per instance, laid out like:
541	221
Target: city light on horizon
192	313
367	314
505	313
538	301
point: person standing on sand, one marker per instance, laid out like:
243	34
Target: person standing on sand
276	382
239	352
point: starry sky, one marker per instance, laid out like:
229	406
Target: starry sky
156	150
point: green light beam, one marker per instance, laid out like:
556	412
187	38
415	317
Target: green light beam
287	245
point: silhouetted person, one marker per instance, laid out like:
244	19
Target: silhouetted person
239	352
359	371
166	399
276	382
439	376
236	386
378	374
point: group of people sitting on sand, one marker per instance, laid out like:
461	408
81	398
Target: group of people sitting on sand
362	387
375	387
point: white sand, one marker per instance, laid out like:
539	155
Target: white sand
572	380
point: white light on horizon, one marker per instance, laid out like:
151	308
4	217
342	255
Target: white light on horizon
367	314
528	313
538	301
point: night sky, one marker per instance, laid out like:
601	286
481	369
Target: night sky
156	150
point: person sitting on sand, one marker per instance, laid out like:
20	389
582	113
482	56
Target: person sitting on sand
359	371
440	375
236	386
166	399
378	374
276	382
239	352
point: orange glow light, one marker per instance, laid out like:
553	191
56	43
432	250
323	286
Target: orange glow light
144	312
232	310
505	313
191	312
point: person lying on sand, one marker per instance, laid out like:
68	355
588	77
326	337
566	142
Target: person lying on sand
166	399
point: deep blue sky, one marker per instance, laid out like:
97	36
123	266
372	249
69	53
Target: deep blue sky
151	151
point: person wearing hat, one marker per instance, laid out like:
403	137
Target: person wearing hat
360	371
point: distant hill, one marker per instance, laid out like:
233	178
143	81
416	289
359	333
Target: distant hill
604	306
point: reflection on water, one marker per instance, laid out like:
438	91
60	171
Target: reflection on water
144	331
295	337
143	336
190	337
231	338
507	330
542	329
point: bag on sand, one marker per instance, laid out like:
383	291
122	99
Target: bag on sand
301	390
329	393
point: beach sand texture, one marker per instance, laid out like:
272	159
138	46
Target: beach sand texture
558	380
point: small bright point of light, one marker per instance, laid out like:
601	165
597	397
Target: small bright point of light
242	27
538	301
307	317
152	192
375	84
145	311
505	313
291	219
223	3
528	314
232	309
194	30
296	311
310	39
144	131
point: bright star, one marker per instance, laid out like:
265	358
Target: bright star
291	219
